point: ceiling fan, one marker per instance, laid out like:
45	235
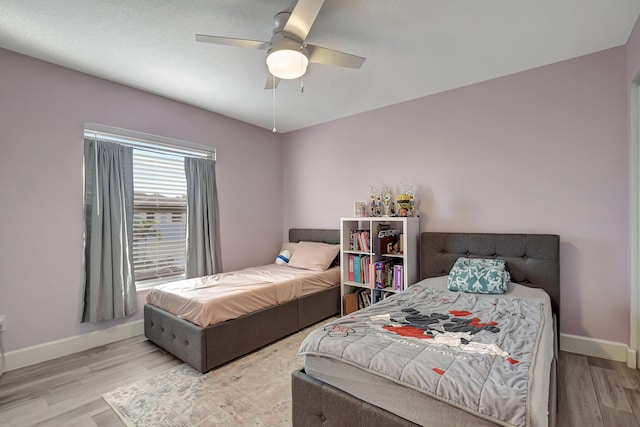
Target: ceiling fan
287	53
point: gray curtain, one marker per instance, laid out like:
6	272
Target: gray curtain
109	285
203	230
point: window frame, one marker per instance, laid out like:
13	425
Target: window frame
154	143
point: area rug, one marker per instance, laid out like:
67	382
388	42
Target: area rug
254	390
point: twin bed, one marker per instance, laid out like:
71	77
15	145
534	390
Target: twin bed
371	368
236	328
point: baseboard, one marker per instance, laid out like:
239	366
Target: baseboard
598	348
632	358
54	349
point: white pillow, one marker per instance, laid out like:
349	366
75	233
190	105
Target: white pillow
313	255
283	257
288	248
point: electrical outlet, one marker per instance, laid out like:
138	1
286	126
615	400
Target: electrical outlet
3	324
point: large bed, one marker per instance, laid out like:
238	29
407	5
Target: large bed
206	347
318	391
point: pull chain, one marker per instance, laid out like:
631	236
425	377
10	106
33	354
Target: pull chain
273	80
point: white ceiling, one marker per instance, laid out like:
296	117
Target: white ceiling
413	48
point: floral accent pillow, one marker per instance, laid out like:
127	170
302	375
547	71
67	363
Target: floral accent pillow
479	275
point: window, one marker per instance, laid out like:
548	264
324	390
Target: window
159	205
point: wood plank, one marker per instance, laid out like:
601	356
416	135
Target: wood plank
74	394
8	413
17	393
633	397
616	418
123	355
127	342
118	372
85	421
628	378
82	413
577	371
582	402
108	418
563	409
141	375
601	363
49	369
159	360
608	389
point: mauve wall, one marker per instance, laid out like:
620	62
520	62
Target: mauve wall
542	151
42	111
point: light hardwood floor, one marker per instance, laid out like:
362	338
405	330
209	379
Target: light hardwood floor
67	391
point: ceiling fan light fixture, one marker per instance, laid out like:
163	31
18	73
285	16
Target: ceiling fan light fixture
287	63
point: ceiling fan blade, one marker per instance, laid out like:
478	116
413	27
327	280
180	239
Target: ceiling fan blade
322	55
230	41
272	82
302	18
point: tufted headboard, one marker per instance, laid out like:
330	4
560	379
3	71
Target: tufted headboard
532	259
314	235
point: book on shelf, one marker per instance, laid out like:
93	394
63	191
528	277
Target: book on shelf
385	294
357	266
359	240
381	274
351	265
360	269
364	241
365	264
388	275
376	296
372	274
364	298
398	277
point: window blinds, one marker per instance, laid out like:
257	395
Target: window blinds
160	206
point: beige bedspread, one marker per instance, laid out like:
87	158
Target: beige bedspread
212	299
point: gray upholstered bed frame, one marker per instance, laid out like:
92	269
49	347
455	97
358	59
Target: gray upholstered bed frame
206	348
532	259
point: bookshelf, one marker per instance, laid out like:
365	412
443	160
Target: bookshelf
373	267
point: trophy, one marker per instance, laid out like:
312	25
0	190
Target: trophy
374	207
386	201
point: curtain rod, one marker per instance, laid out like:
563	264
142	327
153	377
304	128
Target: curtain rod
167	148
147	138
